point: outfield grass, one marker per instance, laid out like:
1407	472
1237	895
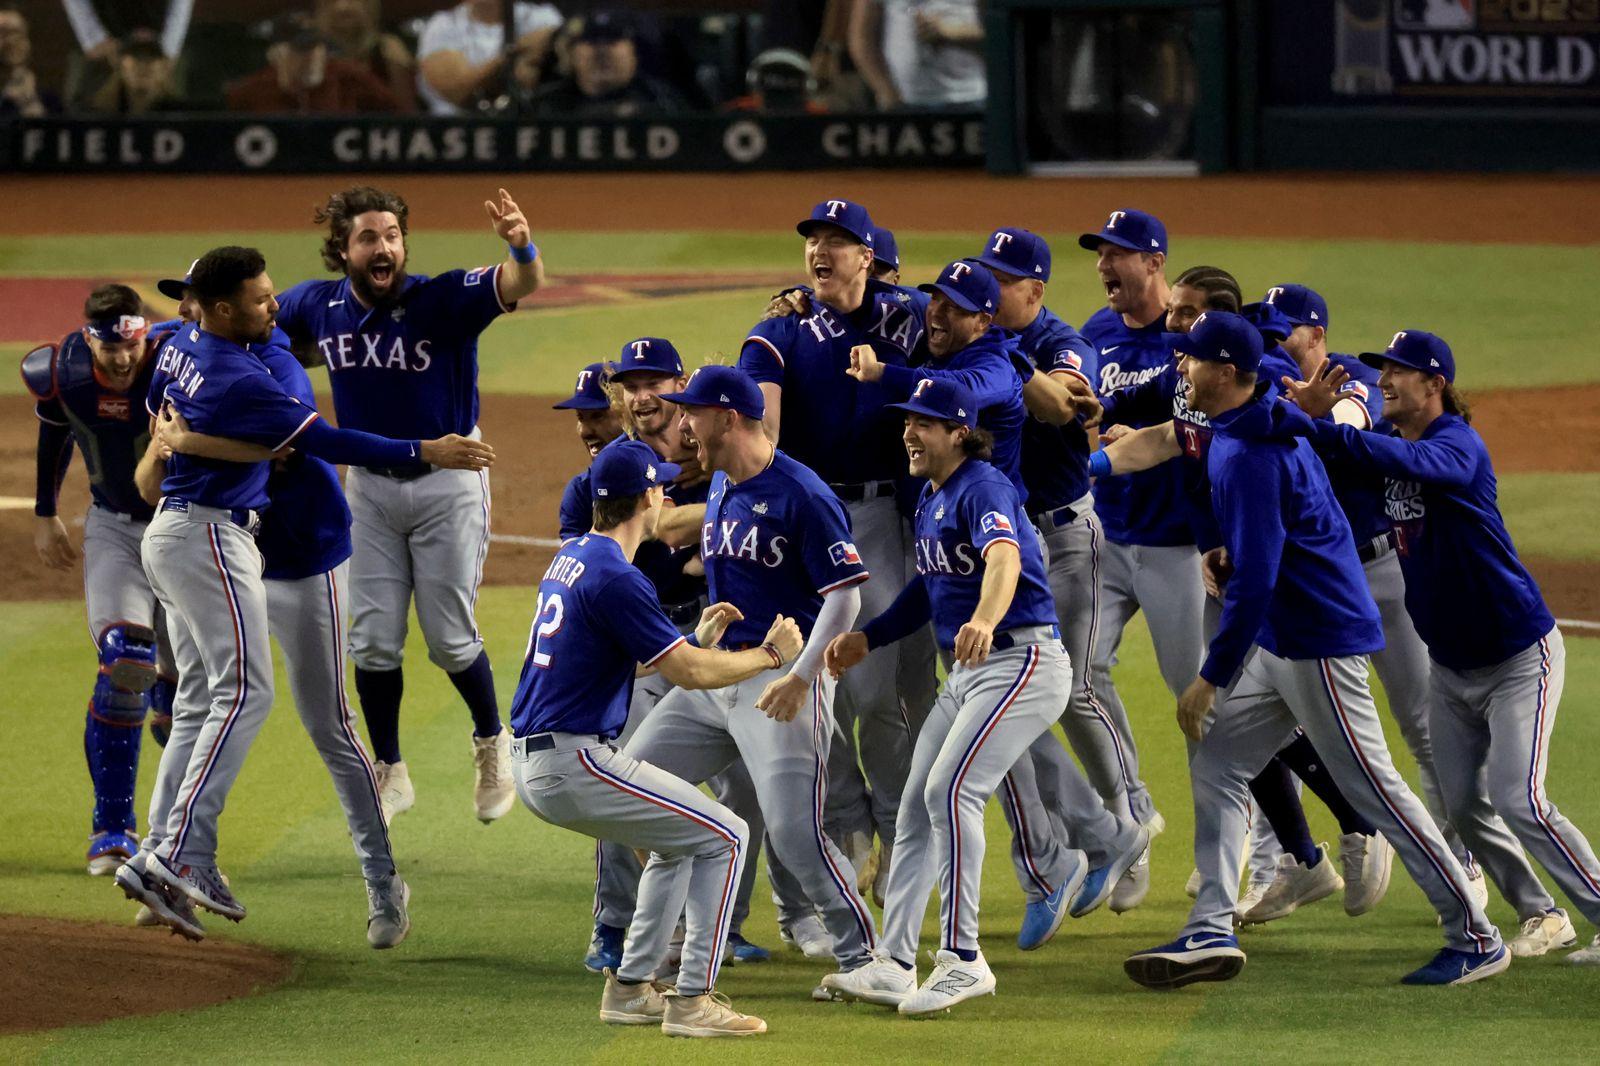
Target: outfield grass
501	914
1514	314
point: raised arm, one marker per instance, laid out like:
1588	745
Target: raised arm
1136	450
523	271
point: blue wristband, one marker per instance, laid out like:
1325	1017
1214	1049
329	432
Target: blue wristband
524	255
1100	464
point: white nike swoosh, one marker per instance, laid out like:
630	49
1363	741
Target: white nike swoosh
1108	351
335	303
1191	944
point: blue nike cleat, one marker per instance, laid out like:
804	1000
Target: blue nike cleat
605	950
1199	957
108	850
741	950
1041	919
1100	882
1452	967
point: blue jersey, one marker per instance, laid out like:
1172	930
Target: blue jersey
406	369
1055	459
1297	587
776	544
1359	488
223	390
306	530
596	619
108	427
829	421
1474	604
1147	507
986	368
956	525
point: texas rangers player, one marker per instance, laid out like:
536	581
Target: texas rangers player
801	362
1150	563
1295	597
86	392
201	558
775	542
305	544
982	582
402	357
885	256
598	422
597	618
1498	662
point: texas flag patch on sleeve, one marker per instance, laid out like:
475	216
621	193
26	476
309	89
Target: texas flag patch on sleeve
843	553
995	522
475	275
1356	389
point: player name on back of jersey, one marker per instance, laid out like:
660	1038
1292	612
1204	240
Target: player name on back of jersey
565	569
178	366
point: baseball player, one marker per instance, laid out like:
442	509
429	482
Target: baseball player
1054	469
775	541
597	618
1299	622
1150	562
1497	659
646	369
982	582
203	563
402	357
86	392
836	425
598	422
885	256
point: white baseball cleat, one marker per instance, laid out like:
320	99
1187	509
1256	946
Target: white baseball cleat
395	794
388	919
1294	887
493	791
882	981
1479	887
1133	886
708	1015
952	981
1589	956
1191	887
1367	862
1252	896
146	918
810	936
639	1004
205	885
1540	933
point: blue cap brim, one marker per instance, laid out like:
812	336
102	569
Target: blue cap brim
1006	268
172	288
804	229
1376	360
1092	241
955	296
581	403
915	408
665	472
617	370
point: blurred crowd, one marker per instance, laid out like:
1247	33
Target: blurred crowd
132	57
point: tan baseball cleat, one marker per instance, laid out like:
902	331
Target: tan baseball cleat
707	1015
493	791
640	1004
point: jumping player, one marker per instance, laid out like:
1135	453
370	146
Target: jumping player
597	618
87	392
775	542
402	357
1297	618
1498	662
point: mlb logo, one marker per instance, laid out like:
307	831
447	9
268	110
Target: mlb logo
995	522
843	553
1435	14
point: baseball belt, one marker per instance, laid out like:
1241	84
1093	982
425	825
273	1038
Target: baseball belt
1376	548
866	490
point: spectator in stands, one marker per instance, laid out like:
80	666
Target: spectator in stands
604	79
779	79
353	31
301	78
817	28
142	83
20	93
461	53
919	53
100	24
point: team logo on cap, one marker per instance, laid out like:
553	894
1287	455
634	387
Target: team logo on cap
1116	216
1273	294
959	271
639	348
835	206
1000	241
583	380
922	386
1398	337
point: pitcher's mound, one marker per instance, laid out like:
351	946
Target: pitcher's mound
57	973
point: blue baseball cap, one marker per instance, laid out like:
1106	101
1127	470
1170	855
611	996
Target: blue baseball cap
172	288
1300	305
727	387
884	248
967	285
1418	350
589	393
852	218
1127	228
1269	319
655	354
944	399
626	468
1017	251
1220	337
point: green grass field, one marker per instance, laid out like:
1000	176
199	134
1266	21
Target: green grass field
501	913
